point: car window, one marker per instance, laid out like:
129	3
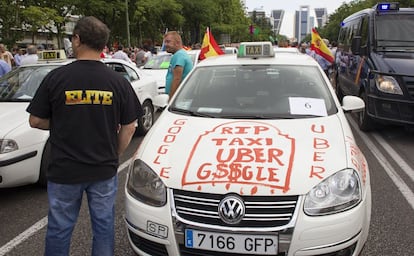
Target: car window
132	74
158	62
123	70
249	91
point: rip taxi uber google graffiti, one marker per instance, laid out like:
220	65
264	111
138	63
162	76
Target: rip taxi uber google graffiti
357	159
245	155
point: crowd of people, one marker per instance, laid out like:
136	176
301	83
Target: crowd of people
18	56
325	64
137	55
21	56
305	48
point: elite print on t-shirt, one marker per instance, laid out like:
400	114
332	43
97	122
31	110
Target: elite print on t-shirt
94	97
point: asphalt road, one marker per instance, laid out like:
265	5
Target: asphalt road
391	162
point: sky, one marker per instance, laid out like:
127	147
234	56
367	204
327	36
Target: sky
290	6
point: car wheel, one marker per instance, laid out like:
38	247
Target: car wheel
147	120
365	122
44	165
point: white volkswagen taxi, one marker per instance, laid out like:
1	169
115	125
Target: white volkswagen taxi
252	156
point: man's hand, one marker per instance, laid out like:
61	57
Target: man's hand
39	123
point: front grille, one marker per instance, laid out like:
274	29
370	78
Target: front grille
260	212
196	252
150	247
409	83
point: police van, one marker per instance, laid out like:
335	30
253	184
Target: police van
375	61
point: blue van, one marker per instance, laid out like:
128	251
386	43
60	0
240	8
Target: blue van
375	61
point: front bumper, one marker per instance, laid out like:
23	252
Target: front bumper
390	110
159	231
19	168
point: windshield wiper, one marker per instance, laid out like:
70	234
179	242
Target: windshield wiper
190	112
258	116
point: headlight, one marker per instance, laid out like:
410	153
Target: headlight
339	192
388	84
7	146
145	185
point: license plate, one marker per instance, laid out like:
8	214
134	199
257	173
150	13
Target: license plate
232	243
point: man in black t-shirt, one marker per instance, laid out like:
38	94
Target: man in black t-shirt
91	112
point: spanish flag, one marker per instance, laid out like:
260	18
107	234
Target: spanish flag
319	46
209	47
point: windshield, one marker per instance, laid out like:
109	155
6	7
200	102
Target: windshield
21	84
158	62
395	32
162	61
260	91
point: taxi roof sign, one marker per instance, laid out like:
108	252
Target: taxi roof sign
51	55
255	50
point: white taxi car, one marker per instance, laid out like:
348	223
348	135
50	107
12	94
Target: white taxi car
252	156
157	66
24	151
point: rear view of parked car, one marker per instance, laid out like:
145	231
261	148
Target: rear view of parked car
24	151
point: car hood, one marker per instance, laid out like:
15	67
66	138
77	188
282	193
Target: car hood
279	157
12	115
395	62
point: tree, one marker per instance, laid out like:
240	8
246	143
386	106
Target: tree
112	13
152	17
198	15
38	19
232	20
61	9
10	27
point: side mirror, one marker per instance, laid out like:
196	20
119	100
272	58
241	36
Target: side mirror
352	104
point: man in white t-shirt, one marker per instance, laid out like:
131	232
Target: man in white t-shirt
120	54
31	57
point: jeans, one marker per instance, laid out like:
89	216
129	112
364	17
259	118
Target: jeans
64	204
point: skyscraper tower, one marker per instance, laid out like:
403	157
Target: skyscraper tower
276	19
302	23
321	16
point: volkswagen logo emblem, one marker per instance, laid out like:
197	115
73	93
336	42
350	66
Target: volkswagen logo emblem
231	209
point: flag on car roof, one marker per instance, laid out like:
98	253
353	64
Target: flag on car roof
209	46
319	46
